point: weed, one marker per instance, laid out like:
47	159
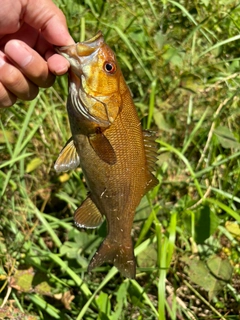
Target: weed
181	61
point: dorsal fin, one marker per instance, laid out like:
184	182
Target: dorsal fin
103	148
68	158
88	215
151	182
151	148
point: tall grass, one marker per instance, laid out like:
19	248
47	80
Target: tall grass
181	61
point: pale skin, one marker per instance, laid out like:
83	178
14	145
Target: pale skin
28	31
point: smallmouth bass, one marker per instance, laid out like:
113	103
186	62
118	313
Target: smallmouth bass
117	157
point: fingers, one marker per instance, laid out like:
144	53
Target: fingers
58	64
23	70
7	99
50	19
23	67
14	84
30	63
9	16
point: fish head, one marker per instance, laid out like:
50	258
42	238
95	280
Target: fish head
95	80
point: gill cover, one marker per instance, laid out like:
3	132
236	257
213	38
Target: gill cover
94	87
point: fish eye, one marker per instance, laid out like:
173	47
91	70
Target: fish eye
109	67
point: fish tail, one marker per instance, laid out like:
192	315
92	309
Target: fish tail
121	255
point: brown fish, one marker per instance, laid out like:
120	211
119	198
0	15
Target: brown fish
115	154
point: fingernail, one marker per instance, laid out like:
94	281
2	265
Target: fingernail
19	53
2	60
57	64
61	70
25	61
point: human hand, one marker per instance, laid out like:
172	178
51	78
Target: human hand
28	31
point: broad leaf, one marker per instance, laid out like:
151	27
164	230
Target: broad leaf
206	223
148	257
221	270
226	138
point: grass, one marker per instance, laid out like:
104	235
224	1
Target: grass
181	61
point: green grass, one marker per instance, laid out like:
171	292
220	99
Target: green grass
181	61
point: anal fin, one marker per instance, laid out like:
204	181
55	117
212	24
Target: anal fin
68	158
103	148
88	215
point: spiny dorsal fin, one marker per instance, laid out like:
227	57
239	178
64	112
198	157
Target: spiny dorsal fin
68	158
152	182
103	148
88	215
151	148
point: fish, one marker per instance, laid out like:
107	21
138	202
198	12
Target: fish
116	155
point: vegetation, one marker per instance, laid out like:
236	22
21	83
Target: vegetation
181	61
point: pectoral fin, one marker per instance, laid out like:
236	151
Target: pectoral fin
68	158
103	148
88	215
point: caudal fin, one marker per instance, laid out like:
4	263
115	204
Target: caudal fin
122	256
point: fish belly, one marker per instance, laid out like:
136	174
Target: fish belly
116	190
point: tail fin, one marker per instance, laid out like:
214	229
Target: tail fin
121	255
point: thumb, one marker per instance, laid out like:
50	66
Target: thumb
45	15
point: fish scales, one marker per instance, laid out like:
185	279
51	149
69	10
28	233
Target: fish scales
109	144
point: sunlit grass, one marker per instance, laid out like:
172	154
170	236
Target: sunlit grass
180	60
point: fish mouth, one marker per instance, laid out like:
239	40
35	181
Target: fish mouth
86	48
81	50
